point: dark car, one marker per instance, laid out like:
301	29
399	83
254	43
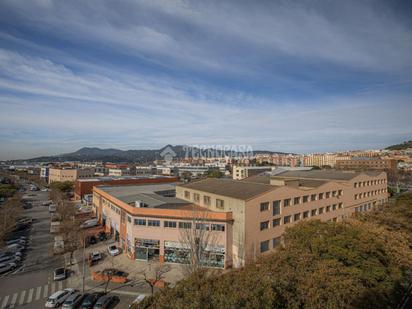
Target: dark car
102	236
92	240
90	300
105	301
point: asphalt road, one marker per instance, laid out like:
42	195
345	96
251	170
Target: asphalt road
33	282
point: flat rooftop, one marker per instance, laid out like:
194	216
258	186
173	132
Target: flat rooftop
153	196
231	188
324	174
114	178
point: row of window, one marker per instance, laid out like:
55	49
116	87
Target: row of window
180	224
364	207
368	183
276	206
299	200
298	216
264	245
370	193
207	201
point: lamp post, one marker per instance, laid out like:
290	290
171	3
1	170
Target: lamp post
84	248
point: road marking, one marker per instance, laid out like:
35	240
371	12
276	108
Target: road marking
38	291
22	295
5	300
13	300
30	297
60	285
46	290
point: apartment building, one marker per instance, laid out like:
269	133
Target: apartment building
150	224
263	206
242	172
366	163
69	174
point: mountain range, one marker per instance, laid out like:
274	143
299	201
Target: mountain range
127	156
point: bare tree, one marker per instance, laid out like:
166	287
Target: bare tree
197	238
9	213
154	275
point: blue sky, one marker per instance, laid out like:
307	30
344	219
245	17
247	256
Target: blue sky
298	76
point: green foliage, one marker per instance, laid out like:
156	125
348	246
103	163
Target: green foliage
214	174
7	190
403	146
62	186
363	262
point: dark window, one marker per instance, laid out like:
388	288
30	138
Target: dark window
313	212
153	222
139	221
170	224
277	241
218	227
220	204
327	194
334	207
276	222
264	225
321	210
327	208
185	225
264	206
187	194
202	226
305	214
264	246
206	200
129	219
286	202
296	200
296	217
305	198
313	197
276	208
320	196
286	220
196	197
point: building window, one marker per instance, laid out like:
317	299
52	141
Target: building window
206	200
196	197
129	219
327	194
153	223
277	241
264	206
276	208
321	210
334	207
327	208
218	227
334	193
170	224
286	219
305	214
313	212
220	204
276	222
320	196
340	205
313	197
340	192
139	221
296	200
187	194
185	225
305	198
264	246
202	226
264	225
286	202
296	217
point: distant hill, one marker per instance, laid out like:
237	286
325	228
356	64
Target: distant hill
403	146
116	155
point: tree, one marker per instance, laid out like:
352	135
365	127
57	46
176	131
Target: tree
155	274
10	210
214	174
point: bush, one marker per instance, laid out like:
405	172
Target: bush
364	262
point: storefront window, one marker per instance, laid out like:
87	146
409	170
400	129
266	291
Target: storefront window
147	249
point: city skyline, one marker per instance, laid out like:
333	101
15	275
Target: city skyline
292	77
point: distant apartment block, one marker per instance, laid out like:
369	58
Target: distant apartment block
242	172
247	218
366	163
69	174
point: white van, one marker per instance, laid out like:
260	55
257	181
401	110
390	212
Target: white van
58	298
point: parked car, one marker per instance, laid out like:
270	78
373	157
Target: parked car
95	256
52	208
105	301
59	274
113	250
5	268
58	298
102	236
137	300
10	259
47	203
15	247
90	300
15	241
73	301
89	223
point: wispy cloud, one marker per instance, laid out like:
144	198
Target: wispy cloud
292	76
